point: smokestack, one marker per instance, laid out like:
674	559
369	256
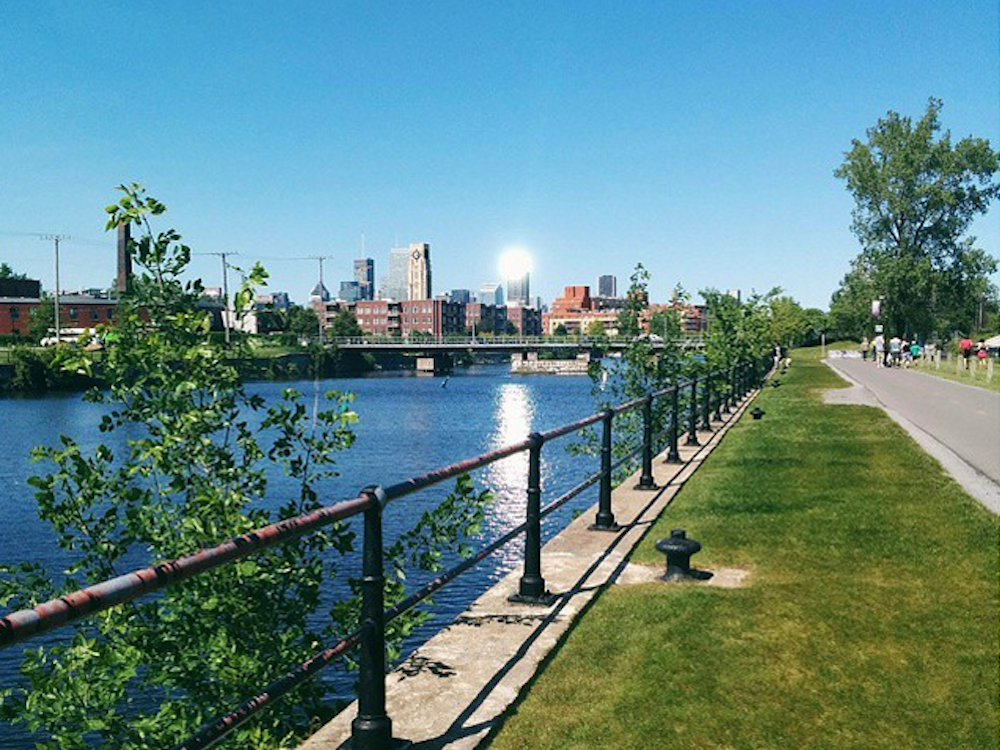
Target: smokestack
124	259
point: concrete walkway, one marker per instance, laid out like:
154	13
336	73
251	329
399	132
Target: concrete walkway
455	689
957	424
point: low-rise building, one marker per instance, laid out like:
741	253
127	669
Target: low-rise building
527	320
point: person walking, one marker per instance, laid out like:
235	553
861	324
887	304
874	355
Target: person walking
879	343
981	354
895	348
864	348
966	346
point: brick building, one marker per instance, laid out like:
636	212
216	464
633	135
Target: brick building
485	318
527	320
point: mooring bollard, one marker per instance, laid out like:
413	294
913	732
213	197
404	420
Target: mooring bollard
371	729
679	549
646	481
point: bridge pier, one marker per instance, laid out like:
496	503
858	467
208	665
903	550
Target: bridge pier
439	363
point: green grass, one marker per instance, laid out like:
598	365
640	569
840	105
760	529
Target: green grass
870	620
974	376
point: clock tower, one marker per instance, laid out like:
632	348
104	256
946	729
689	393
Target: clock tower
419	271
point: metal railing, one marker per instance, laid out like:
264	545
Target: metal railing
372	728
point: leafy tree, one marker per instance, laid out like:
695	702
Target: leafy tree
560	330
302	321
788	322
192	475
6	272
636	303
345	325
915	196
596	329
42	320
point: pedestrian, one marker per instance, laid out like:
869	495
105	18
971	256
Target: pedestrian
966	346
915	351
895	348
864	349
879	343
981	354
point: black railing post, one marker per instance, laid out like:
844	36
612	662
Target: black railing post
727	399
673	455
605	520
372	728
706	403
646	481
734	385
692	438
531	589
717	416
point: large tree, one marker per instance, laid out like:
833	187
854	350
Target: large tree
916	193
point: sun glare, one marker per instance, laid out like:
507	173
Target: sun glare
514	263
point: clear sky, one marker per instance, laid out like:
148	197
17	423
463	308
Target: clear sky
698	138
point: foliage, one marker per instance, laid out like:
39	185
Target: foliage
36	369
6	272
596	329
738	330
193	474
42	320
345	325
302	321
915	196
636	303
560	330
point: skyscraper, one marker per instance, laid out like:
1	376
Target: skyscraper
395	281
418	277
364	274
491	294
518	291
607	286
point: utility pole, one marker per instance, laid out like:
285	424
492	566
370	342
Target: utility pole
56	238
322	312
226	320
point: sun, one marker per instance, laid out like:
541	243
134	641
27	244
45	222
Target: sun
515	263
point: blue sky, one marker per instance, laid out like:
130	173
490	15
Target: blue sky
698	138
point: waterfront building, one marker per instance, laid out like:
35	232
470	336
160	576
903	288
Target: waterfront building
433	317
418	280
607	286
491	294
526	320
575	312
364	274
484	318
519	291
378	317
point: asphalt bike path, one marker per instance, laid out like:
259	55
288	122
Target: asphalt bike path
963	421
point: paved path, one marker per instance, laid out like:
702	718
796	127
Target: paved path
957	424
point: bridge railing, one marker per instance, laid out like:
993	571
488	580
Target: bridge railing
462	340
372	729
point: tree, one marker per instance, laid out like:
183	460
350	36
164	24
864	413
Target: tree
192	474
6	272
636	303
302	321
345	325
560	330
596	329
915	196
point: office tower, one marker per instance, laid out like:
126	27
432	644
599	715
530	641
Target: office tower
491	294
364	274
350	291
394	283
607	286
518	291
460	295
418	279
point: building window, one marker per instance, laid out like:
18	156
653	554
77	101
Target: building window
15	313
111	313
73	314
94	313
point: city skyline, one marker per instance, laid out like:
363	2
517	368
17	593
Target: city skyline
698	141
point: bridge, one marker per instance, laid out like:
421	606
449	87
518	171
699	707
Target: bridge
450	343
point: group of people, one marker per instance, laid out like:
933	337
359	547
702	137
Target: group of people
966	347
896	353
899	352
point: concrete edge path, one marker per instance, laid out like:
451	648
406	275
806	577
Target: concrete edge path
977	484
455	689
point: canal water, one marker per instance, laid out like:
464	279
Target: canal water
407	426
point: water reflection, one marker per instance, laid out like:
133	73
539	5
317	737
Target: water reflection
513	417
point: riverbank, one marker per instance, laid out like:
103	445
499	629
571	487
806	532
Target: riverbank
869	619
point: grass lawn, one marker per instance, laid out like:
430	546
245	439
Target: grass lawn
977	376
870	620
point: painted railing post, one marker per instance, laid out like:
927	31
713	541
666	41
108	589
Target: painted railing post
646	481
605	520
727	398
531	588
692	438
717	415
734	385
673	455
706	403
372	728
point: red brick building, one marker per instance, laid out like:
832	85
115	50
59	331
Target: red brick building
483	318
527	320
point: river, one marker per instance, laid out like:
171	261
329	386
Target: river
407	426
